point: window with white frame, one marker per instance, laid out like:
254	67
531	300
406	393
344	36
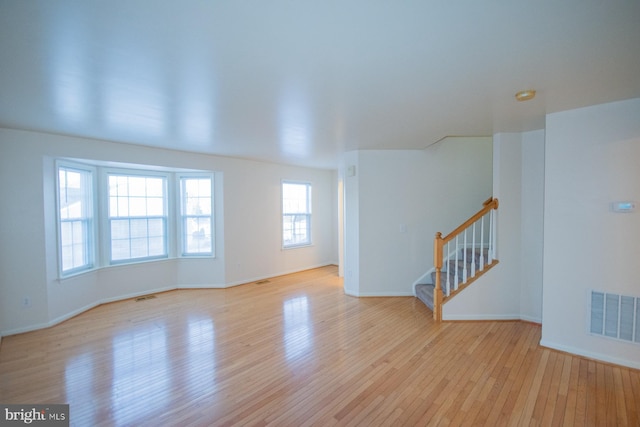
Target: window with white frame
75	218
137	216
296	214
196	215
144	214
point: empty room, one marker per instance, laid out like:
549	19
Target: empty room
319	213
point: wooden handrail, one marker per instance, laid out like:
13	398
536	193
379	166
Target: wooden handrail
438	247
488	205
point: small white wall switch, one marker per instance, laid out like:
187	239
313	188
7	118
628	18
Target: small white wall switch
623	207
351	170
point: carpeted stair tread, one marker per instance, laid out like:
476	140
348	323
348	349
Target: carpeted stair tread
424	291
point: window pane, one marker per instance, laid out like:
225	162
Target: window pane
197	222
198	235
138	228
156	246
79	235
118	185
156	227
295	198
120	229
75	202
287	228
139	247
296	209
155	206
155	187
137	206
120	249
113	206
67	257
137	186
139	233
78	254
296	230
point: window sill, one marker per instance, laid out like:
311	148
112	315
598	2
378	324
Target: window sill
302	245
65	278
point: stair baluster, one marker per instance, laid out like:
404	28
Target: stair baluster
457	266
437	293
483	239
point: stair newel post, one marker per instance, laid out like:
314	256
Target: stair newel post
492	230
438	243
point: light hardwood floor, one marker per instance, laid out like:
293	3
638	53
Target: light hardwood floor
297	351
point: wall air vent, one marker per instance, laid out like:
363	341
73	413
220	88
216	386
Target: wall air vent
615	316
145	297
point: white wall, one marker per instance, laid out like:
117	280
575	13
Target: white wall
496	295
351	230
399	199
592	158
532	226
248	227
513	288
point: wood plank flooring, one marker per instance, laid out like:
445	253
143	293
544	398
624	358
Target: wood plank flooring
296	351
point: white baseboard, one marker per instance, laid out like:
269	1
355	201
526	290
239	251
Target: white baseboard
24	329
532	319
202	286
80	310
271	276
483	317
635	364
136	294
385	294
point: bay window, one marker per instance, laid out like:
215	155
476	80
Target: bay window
109	216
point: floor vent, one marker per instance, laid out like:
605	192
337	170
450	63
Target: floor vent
262	282
145	297
615	316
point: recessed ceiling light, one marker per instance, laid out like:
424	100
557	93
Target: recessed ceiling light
525	95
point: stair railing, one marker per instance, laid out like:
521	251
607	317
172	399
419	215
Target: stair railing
469	250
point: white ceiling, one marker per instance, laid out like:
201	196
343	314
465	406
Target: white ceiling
299	82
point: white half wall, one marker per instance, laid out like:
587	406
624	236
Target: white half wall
248	228
399	199
513	288
592	158
496	295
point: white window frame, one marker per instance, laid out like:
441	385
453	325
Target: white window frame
99	243
307	214
89	220
183	217
166	218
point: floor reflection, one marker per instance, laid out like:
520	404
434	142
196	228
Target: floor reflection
141	374
298	333
201	355
78	380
